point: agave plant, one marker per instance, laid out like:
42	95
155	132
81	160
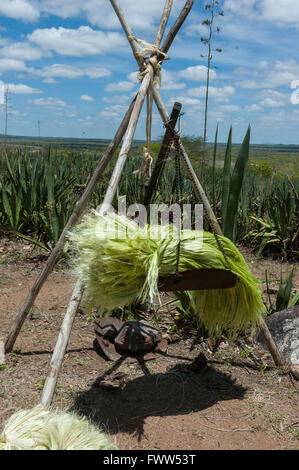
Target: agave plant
284	298
277	228
36	194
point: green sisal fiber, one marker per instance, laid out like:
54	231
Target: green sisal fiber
120	262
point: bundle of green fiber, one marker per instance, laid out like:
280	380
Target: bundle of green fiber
42	429
120	262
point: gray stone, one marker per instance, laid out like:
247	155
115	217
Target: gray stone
284	327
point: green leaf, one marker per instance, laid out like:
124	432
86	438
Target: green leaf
235	188
226	175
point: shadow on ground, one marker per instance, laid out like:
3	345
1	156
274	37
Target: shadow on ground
175	392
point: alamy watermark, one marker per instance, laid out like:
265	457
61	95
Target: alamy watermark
156	221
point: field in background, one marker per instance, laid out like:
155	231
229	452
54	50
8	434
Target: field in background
41	181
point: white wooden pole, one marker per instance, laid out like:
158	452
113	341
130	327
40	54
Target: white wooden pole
65	331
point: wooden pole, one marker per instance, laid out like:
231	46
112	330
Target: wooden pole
128	32
277	357
161	159
65	331
123	155
27	305
163	22
177	25
61	345
2	353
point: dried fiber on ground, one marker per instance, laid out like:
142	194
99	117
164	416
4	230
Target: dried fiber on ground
42	429
120	262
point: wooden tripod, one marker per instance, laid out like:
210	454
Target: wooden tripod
126	132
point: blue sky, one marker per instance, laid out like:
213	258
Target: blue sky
68	65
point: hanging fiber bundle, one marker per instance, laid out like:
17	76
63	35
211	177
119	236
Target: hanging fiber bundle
41	429
120	262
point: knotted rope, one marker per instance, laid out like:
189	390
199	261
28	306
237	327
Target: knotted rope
153	57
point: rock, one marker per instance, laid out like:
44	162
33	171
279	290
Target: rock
137	337
284	327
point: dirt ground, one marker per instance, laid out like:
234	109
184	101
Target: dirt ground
158	403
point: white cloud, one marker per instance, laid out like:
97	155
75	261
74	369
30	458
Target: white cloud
49	80
19	9
21	89
71	72
133	76
169	81
253	108
116	99
196	29
113	111
7	65
251	84
22	51
240	6
50	102
230	108
76	42
284	13
142	15
196	73
186	101
86	98
120	86
218	94
272	98
271	103
271	76
281	12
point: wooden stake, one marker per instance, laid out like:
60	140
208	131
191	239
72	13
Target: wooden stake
27	305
